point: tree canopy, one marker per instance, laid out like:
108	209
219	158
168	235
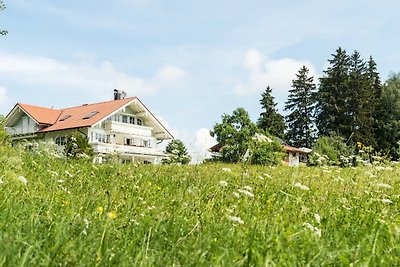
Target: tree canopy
177	153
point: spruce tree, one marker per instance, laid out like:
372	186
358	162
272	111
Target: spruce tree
333	94
360	104
301	105
270	120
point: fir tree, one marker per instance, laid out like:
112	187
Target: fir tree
177	153
300	103
270	120
333	94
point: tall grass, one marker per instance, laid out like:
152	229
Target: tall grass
76	213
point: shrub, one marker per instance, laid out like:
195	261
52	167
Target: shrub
331	150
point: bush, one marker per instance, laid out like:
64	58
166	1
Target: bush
78	147
264	150
331	150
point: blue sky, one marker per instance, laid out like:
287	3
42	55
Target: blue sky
188	61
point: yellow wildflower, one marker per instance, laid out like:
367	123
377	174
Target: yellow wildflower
100	209
112	215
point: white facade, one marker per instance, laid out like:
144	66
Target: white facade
130	133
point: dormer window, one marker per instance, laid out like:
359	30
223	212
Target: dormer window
91	114
64	118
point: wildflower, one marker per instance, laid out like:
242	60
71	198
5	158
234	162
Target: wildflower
248	188
302	187
236	219
22	179
260	177
384	185
236	194
53	173
86	221
1	180
245	192
379	168
317	217
313	228
226	169
267	175
100	209
223	183
386	200
61	181
112	215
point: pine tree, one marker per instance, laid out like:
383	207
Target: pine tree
360	103
177	153
333	94
270	120
300	103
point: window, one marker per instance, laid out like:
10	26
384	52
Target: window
131	120
139	122
66	117
124	119
91	114
60	140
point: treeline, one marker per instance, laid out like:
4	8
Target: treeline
349	103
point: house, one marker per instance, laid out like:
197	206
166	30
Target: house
123	127
294	156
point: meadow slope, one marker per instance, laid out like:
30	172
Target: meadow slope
55	212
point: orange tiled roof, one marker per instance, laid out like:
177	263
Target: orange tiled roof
54	117
77	114
293	149
40	114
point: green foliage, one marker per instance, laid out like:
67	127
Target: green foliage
301	104
84	214
270	120
265	150
234	132
78	147
388	132
2	7
331	150
347	98
177	153
4	137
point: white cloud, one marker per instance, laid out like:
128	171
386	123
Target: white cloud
202	141
101	77
263	71
3	99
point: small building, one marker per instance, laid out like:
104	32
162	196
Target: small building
123	126
295	156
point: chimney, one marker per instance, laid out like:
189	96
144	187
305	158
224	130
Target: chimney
118	94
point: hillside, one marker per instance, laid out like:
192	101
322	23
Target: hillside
55	212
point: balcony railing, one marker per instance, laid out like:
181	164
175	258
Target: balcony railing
20	130
128	128
105	148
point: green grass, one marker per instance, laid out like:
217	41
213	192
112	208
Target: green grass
184	215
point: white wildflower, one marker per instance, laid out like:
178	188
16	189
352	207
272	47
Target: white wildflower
379	168
22	179
327	171
260	177
317	217
86	221
236	219
226	169
302	187
267	175
60	181
313	228
236	194
386	200
229	210
384	185
151	207
53	173
1	180
248	188
245	192
223	183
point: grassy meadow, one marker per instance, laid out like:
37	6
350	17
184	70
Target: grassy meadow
54	212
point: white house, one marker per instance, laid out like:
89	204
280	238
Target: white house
123	127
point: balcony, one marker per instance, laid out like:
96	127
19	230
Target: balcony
132	129
20	130
125	149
